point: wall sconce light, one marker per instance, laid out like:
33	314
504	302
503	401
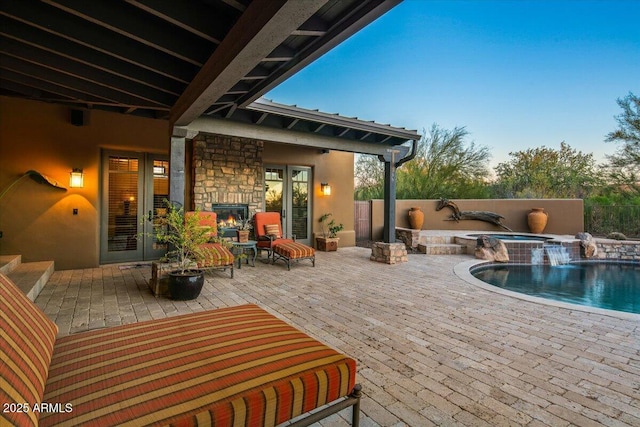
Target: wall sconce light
76	180
325	188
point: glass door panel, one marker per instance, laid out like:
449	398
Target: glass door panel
287	192
274	190
300	203
121	209
134	186
157	191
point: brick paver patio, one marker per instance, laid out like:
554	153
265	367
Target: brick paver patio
432	349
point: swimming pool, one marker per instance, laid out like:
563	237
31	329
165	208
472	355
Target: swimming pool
612	286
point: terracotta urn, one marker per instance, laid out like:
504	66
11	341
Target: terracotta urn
416	218
537	220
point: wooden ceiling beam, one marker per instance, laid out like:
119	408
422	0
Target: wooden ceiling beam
263	26
314	26
53	21
131	23
197	18
77	70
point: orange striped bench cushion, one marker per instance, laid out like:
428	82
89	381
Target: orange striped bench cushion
237	366
294	250
216	255
26	346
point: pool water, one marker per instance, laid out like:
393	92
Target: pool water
614	286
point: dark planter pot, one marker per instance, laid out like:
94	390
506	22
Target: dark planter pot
187	286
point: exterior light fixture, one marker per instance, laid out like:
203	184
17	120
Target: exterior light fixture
76	179
325	188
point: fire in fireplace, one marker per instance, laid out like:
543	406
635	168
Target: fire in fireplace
229	215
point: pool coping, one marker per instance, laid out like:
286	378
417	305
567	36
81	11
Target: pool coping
462	270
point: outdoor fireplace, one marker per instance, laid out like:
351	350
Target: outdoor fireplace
229	217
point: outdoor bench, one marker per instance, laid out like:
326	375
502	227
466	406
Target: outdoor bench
236	366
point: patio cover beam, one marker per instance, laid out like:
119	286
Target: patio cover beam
263	26
292	137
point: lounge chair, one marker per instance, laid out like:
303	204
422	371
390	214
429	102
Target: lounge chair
234	366
219	257
269	236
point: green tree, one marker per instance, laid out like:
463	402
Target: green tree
445	165
623	168
547	173
369	177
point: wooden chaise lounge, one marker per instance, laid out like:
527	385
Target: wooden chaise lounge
237	366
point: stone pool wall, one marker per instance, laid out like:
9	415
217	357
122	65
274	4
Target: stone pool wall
618	249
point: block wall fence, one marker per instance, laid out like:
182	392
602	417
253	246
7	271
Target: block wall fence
566	216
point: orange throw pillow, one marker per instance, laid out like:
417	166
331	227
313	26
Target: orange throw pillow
272	230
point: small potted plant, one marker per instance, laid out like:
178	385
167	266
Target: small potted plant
243	228
184	237
329	240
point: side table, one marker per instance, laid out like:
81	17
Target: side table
240	248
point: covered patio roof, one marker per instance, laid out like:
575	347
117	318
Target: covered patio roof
290	124
167	59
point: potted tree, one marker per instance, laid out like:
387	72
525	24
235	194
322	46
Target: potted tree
184	237
329	240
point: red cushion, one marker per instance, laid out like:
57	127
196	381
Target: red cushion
231	366
207	219
216	255
26	348
263	218
294	250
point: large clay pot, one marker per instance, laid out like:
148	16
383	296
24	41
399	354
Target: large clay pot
184	287
416	218
537	220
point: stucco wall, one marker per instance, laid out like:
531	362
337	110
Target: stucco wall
334	168
37	221
565	215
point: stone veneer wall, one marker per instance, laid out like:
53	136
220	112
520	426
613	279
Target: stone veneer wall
618	250
227	170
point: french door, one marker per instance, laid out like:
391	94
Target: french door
134	187
287	191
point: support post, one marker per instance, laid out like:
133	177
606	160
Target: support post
389	233
177	164
394	158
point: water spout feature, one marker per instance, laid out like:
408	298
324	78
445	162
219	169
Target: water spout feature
557	254
537	256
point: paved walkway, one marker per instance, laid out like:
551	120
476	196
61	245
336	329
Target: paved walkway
432	349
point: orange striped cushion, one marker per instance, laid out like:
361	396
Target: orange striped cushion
216	255
272	230
232	366
293	250
26	346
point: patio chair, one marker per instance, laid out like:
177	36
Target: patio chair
219	257
268	231
269	236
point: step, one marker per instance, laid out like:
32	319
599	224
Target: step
442	249
31	277
436	240
9	263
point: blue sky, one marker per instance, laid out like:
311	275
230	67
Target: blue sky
516	74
